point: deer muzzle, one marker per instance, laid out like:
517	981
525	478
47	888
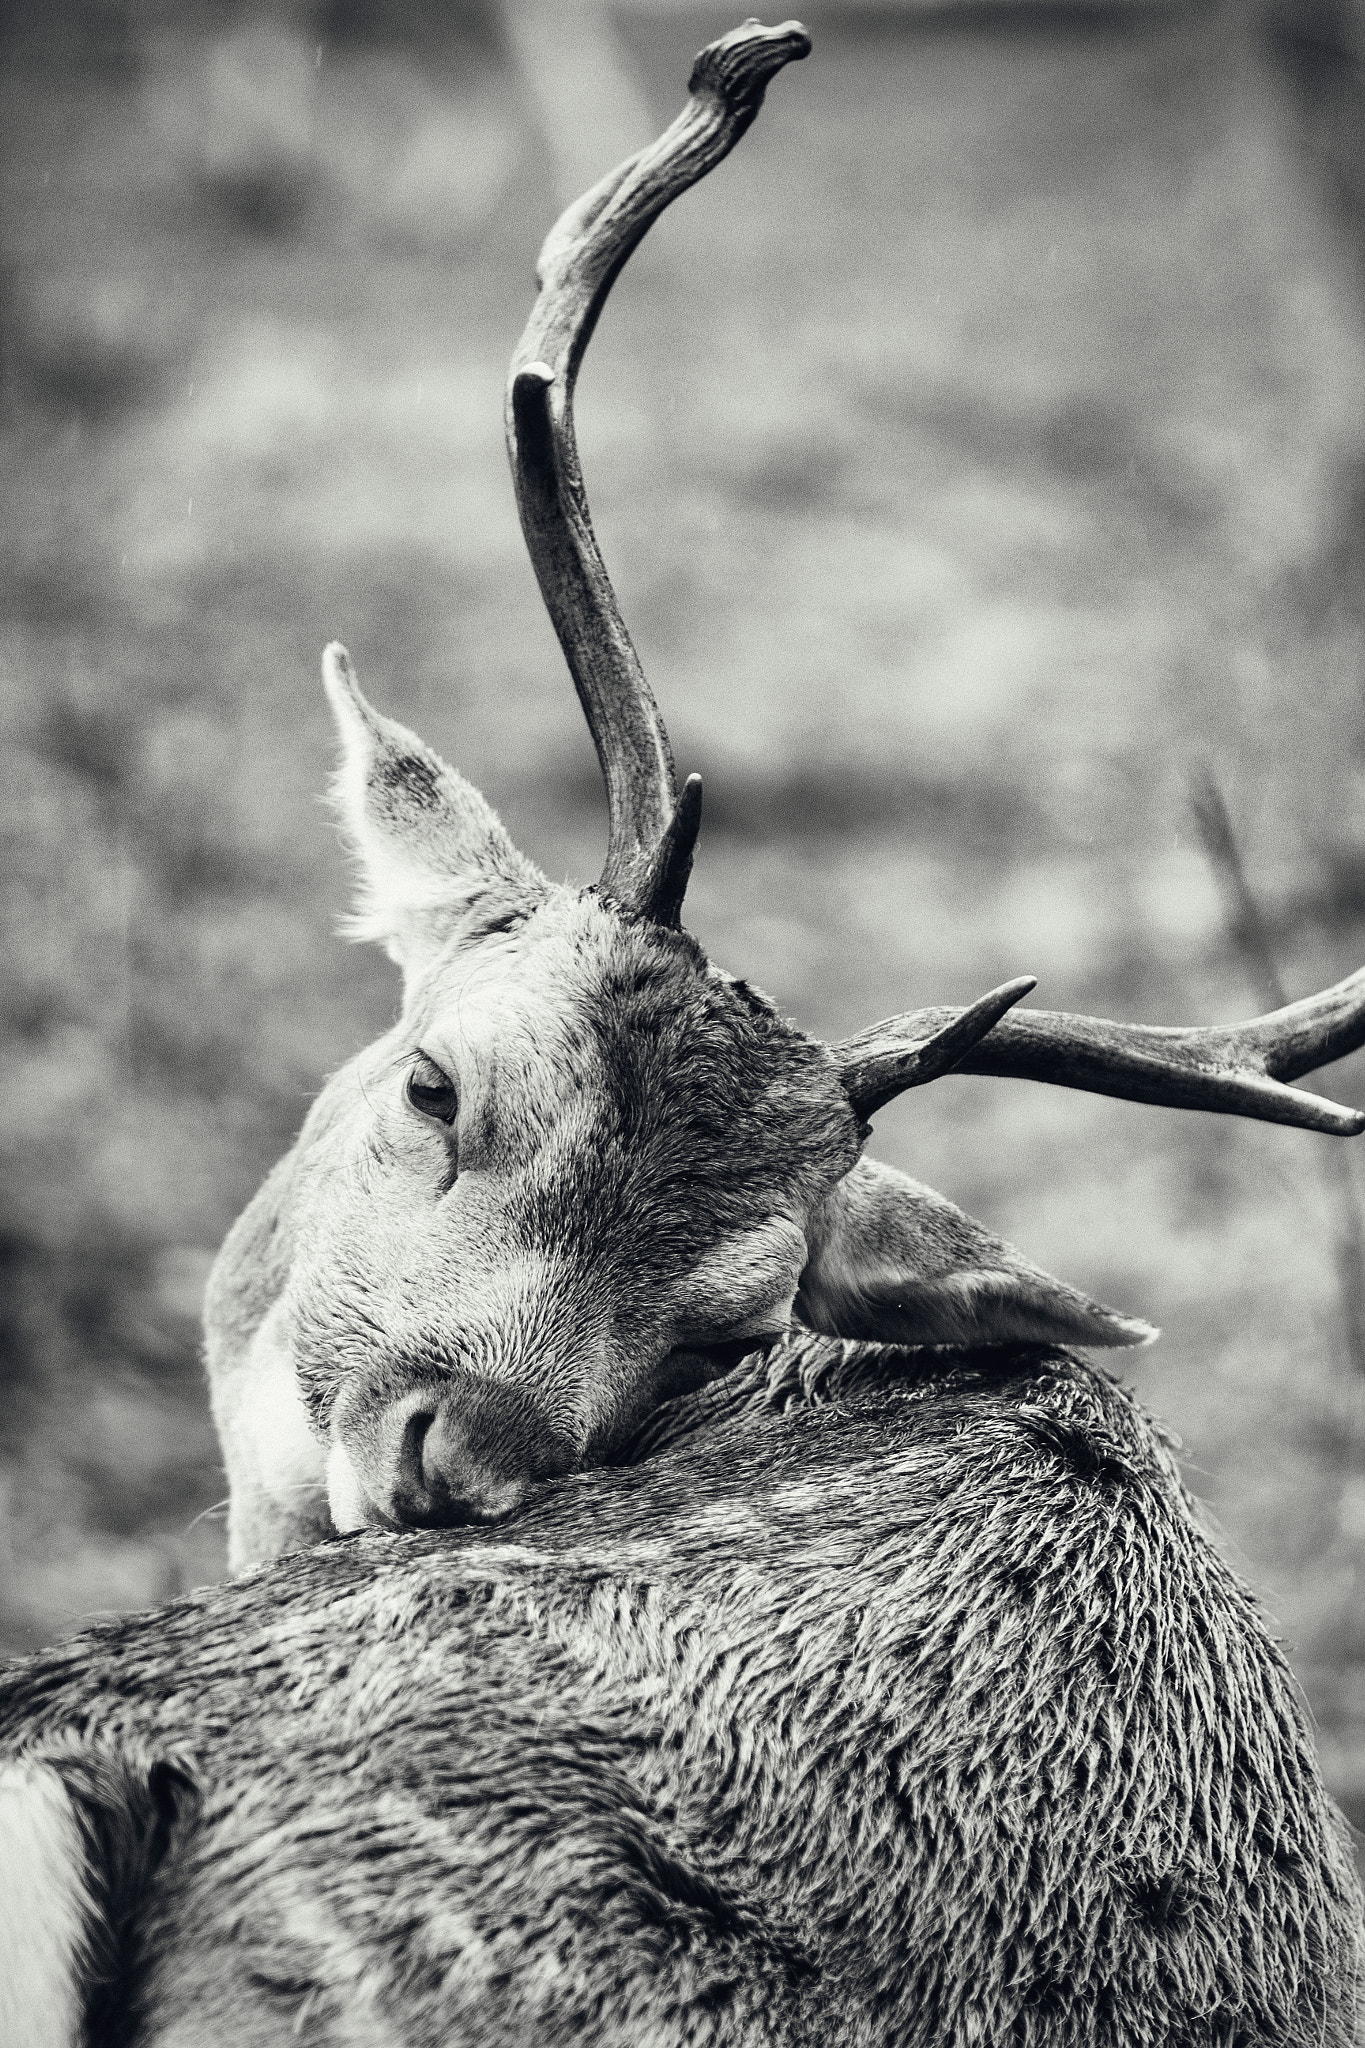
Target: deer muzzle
464	1449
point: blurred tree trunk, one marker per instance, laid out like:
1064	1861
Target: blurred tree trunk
1318	47
581	82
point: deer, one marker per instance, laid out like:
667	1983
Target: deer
588	1169
689	1586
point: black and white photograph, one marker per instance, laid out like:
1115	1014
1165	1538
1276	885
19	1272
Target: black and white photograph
682	1236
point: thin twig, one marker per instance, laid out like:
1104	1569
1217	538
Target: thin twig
1250	937
1246	925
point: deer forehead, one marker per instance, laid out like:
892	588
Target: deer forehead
578	1005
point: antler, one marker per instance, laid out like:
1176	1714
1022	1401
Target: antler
652	830
1239	1069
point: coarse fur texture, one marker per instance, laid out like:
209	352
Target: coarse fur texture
44	1910
875	1697
83	1826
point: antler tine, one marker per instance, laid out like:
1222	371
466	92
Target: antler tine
1239	1069
883	1062
649	848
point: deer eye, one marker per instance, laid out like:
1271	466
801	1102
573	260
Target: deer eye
725	1357
432	1092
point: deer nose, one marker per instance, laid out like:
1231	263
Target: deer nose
432	1460
459	1480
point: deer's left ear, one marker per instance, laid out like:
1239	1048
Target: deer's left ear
894	1263
428	848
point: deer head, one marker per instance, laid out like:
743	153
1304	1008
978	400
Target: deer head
587	1169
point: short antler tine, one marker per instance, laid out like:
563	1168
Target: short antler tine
581	258
665	880
882	1063
1238	1069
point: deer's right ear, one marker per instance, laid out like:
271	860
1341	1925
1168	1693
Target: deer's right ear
427	845
894	1263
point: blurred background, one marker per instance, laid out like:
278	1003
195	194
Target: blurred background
980	459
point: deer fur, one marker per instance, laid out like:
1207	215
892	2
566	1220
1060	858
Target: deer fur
45	1909
883	1696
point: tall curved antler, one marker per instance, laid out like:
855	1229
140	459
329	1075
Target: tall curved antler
1240	1069
652	830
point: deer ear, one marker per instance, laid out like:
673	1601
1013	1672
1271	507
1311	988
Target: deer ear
429	850
895	1263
